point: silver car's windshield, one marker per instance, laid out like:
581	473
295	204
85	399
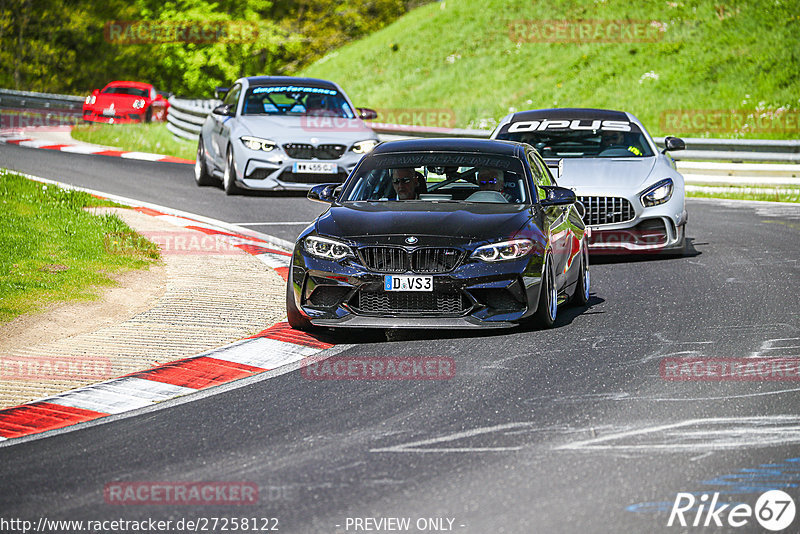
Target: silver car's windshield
296	100
452	177
565	143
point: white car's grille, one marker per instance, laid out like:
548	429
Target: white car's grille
606	210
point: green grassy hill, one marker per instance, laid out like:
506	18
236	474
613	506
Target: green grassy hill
466	56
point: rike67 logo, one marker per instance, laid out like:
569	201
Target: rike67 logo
774	511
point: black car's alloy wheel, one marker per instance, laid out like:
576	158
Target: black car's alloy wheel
548	296
581	295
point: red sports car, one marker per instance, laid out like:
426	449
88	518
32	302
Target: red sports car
125	102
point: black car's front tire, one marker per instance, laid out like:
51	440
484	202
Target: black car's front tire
229	176
548	296
581	295
201	174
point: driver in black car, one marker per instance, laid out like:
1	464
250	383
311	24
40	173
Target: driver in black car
407	183
490	179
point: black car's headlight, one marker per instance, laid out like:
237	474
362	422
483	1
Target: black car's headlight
364	147
257	143
506	250
658	194
325	248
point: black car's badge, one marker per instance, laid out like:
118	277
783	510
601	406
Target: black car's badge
411	240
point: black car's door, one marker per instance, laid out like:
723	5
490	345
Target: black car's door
557	224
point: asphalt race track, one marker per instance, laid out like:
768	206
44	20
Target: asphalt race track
568	430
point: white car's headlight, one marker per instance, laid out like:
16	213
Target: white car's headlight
364	147
256	143
328	249
658	194
138	104
506	250
91	99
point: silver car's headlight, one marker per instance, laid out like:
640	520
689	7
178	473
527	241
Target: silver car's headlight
657	194
506	250
328	249
257	143
364	147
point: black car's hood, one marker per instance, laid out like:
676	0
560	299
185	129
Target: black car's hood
428	221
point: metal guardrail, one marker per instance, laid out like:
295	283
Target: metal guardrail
185	117
29	99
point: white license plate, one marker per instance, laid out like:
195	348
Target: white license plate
314	167
393	282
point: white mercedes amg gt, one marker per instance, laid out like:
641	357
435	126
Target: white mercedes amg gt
632	193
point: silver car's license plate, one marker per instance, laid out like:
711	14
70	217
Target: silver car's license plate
393	282
314	167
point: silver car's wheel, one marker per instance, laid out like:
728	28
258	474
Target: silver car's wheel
228	177
201	174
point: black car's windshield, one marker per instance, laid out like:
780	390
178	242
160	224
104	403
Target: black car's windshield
122	90
567	143
296	100
438	176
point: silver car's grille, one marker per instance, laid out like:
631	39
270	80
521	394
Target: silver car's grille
427	260
306	151
606	210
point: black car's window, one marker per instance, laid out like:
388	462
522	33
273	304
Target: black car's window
296	100
233	95
568	143
121	90
439	177
540	175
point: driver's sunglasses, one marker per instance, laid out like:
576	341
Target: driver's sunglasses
406	180
487	182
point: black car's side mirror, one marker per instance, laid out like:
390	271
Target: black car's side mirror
558	196
226	110
367	114
673	143
323	193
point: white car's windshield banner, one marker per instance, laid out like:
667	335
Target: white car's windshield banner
574	124
293	89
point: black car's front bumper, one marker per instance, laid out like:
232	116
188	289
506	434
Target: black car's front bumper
473	295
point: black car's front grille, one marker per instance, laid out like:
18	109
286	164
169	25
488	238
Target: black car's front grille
428	260
311	177
412	302
606	210
306	151
498	299
434	260
384	259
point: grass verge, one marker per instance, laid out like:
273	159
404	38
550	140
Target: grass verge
773	194
706	64
53	250
138	137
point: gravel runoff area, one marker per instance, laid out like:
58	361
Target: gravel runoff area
204	295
